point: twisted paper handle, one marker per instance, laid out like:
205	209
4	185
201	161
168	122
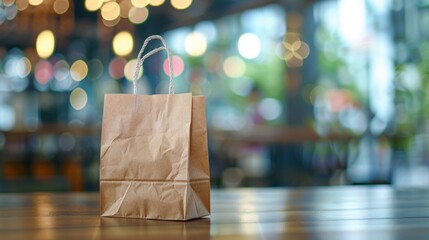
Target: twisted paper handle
141	59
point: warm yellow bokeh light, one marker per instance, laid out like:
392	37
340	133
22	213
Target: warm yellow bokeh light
35	2
140	3
123	43
297	49
93	5
110	11
45	43
156	2
234	67
61	6
181	4
195	44
79	70
78	98
130	68
138	15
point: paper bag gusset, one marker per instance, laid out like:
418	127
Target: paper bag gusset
154	153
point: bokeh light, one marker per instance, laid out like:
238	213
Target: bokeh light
130	68
156	2
195	44
339	99
249	46
138	15
140	3
35	2
23	67
43	72
61	70
110	11
10	12
8	3
10	66
18	67
181	4
123	43
78	98
62	80
79	70
234	67
61	6
45	43
270	108
116	68
177	64
208	29
93	5
295	51
22	5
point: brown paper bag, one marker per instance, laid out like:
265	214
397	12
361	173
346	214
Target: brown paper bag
154	155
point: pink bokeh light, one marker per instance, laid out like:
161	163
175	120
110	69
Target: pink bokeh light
178	66
43	72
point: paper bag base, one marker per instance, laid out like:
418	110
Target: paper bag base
166	200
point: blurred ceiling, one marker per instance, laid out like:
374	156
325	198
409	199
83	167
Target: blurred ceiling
80	23
211	9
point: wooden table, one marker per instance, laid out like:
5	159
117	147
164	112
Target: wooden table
353	212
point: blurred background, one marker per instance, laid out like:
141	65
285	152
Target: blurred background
299	92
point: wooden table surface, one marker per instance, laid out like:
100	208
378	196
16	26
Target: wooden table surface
353	212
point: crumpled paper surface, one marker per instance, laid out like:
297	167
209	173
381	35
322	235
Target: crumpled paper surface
154	157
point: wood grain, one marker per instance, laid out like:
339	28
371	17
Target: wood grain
354	212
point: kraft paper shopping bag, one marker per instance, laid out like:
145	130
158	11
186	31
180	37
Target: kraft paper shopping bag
154	154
